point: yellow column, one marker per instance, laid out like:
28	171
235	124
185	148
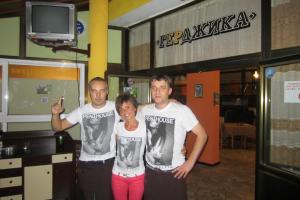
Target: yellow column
98	26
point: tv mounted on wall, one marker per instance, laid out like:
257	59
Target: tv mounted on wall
51	22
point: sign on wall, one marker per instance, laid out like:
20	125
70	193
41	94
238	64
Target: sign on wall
292	92
208	30
81	27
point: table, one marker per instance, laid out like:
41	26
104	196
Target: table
243	130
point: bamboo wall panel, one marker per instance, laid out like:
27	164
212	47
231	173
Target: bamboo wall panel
220	45
285	23
139	47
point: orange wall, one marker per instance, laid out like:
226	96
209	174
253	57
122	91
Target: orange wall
207	113
43	72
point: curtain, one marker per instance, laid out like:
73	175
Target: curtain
285	118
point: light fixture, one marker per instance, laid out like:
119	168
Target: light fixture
256	75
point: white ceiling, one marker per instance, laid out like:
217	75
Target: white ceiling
149	10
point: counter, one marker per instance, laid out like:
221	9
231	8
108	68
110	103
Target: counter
37	165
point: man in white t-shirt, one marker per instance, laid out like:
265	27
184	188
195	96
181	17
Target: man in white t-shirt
167	124
97	120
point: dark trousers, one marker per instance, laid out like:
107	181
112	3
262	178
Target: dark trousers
161	185
95	179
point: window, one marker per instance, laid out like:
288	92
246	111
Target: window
31	87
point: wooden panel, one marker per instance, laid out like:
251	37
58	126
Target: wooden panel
11	182
10	163
37	160
62	158
13	197
9	191
5	173
207	112
38	182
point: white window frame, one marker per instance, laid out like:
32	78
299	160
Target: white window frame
5	117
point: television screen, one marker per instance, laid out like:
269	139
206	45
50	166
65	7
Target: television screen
50	21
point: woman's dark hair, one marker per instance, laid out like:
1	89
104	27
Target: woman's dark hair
125	98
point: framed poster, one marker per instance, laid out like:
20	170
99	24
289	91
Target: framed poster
198	90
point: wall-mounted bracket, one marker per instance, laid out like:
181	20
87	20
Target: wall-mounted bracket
68	48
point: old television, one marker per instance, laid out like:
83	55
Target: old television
51	22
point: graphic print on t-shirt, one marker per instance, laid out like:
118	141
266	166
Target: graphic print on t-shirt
98	128
129	152
160	140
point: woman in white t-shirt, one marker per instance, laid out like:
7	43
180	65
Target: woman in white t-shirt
128	170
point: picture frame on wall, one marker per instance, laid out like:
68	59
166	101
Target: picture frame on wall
198	90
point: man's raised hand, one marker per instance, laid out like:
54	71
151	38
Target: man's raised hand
57	107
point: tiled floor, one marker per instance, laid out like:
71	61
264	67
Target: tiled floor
232	179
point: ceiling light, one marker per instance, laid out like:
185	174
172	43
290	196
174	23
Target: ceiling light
256	75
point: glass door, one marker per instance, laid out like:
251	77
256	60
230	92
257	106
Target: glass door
282	109
278	169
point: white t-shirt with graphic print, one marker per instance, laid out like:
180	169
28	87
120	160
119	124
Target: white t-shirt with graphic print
97	135
129	161
166	133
